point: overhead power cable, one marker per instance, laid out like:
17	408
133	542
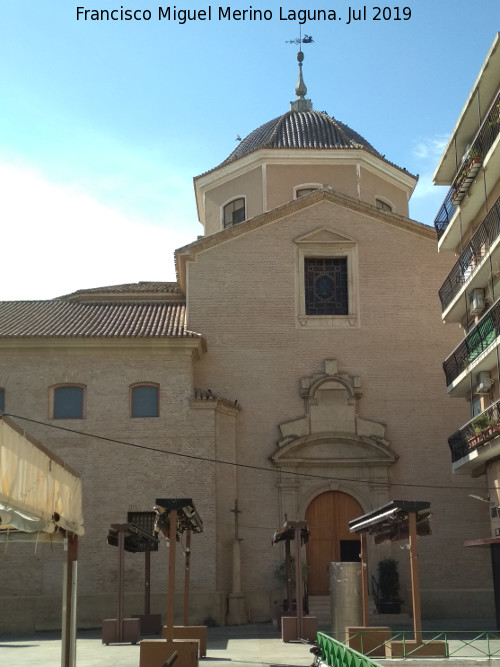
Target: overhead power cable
207	459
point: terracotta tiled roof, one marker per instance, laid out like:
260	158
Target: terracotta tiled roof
62	318
301	129
129	290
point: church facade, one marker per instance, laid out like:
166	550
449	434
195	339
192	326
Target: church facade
293	372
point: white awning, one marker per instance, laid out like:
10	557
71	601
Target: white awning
40	495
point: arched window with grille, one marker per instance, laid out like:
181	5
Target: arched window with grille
234	212
383	205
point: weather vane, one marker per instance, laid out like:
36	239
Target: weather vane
307	39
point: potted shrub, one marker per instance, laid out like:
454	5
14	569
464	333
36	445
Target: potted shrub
388	587
484	427
481	422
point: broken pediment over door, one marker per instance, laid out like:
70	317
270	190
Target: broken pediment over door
331	432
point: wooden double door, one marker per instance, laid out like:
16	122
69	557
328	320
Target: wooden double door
328	516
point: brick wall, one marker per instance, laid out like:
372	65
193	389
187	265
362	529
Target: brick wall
258	352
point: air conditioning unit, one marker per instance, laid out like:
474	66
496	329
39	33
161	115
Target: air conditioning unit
476	300
484	382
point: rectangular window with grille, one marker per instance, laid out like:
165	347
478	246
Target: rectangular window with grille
326	286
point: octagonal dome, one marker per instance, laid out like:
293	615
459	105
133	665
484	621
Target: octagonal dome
301	129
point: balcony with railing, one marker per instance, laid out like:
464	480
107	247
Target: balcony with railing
485	138
470	269
445	214
477	441
475	352
466	174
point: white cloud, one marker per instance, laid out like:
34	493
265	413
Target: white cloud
430	149
426	188
57	239
427	197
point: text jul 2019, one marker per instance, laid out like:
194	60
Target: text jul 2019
227	13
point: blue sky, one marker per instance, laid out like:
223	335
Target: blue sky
103	124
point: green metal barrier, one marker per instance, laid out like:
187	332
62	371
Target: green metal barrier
336	654
461	644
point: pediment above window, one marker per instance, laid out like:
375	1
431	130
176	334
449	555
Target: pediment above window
323	235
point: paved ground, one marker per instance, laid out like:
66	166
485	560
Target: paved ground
246	646
256	645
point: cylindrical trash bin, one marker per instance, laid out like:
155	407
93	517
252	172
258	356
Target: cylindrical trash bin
346	603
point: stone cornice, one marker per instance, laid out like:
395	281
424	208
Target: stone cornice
194	346
260	156
286	156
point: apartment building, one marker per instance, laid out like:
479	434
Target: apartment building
468	224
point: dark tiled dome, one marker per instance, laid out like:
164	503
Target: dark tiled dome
301	129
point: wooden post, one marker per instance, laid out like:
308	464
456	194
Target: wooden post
68	643
186	577
288	575
171	575
298	584
364	580
147	581
121	563
415	582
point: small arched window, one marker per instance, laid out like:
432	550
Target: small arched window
383	205
234	212
144	400
302	192
68	401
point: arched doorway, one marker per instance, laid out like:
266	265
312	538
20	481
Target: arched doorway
328	516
